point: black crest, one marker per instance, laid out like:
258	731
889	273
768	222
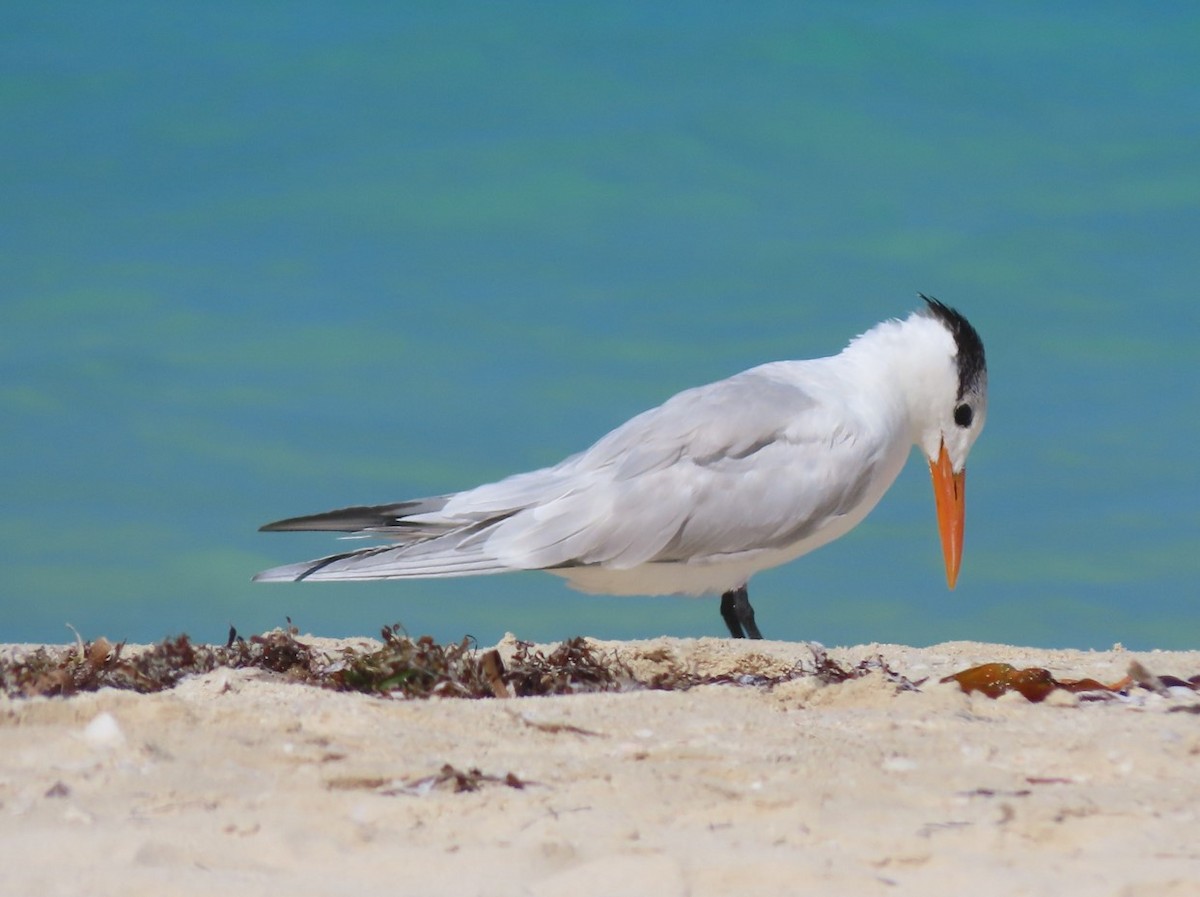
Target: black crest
972	364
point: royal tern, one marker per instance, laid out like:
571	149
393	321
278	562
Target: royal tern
695	496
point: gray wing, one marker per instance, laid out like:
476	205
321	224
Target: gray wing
746	463
752	462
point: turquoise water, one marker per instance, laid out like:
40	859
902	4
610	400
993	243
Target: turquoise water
269	260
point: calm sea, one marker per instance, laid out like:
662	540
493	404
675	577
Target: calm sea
269	259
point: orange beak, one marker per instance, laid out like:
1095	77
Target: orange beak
949	494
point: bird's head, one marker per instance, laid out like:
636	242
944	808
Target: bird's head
951	419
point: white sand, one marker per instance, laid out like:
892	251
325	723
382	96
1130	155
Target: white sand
241	783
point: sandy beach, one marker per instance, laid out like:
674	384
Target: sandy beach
243	782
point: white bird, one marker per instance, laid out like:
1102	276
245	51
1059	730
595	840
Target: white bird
720	481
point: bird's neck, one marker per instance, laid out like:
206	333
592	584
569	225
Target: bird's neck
905	363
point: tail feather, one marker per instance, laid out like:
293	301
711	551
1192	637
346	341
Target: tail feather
427	560
373	518
422	542
440	536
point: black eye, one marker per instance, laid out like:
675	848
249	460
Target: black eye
963	415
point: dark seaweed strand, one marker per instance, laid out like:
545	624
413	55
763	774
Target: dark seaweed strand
972	364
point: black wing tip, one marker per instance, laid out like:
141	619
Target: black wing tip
315	523
360	518
971	359
343	520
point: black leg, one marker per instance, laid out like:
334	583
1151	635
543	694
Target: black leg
729	614
738	614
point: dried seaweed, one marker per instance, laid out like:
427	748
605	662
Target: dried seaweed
573	667
448	778
89	666
406	668
1035	683
829	671
451	778
554	728
424	669
401	667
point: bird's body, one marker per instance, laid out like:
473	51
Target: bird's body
695	496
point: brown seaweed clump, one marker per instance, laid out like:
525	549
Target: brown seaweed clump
89	666
1036	683
401	667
